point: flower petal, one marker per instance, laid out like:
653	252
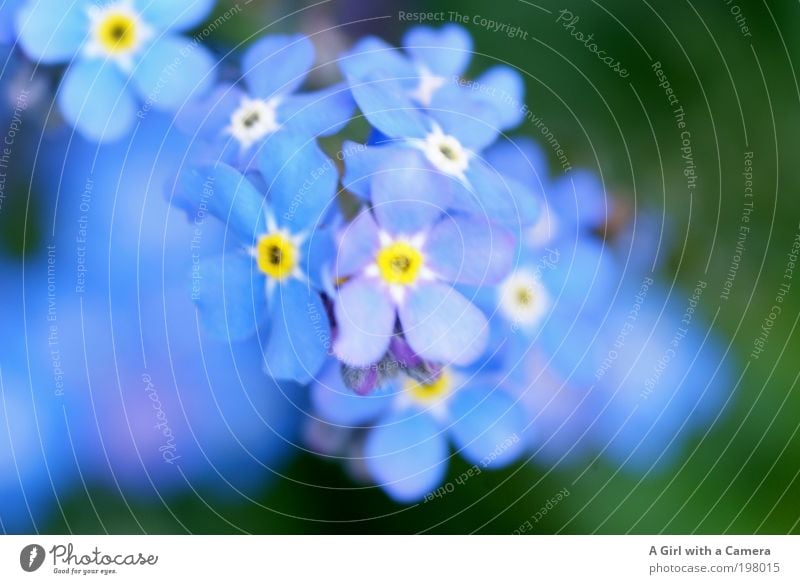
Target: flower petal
358	243
49	33
470	251
176	14
93	98
521	159
387	110
475	123
230	295
339	405
406	456
501	199
488	426
301	180
299	333
226	194
171	70
445	51
365	317
277	64
503	88
209	115
443	326
407	193
361	162
372	55
321	113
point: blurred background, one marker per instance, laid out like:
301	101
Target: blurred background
244	466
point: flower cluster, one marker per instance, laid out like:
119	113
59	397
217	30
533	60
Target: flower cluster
428	289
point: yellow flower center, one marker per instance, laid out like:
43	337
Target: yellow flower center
426	393
399	263
276	255
117	33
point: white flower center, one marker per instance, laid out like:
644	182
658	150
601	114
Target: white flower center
523	299
446	153
429	84
253	121
116	32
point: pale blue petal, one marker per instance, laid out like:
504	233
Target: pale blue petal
93	98
299	333
208	116
171	70
388	110
474	123
503	88
175	14
445	51
277	64
321	113
406	456
487	426
226	194
373	56
300	179
499	198
443	326
358	244
49	32
229	292
408	194
337	404
361	162
521	159
365	317
470	251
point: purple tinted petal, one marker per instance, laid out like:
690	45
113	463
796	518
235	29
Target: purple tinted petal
365	317
470	251
358	243
443	326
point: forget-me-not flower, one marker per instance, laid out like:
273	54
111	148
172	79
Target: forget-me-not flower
235	119
119	53
399	261
273	277
410	422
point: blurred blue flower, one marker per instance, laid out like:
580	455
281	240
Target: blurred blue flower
120	53
235	119
410	423
447	142
431	72
399	260
275	276
153	405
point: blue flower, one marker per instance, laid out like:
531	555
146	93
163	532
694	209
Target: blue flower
274	276
119	53
430	73
409	425
446	141
236	119
400	259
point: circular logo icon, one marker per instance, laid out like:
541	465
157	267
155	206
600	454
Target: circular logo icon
31	557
